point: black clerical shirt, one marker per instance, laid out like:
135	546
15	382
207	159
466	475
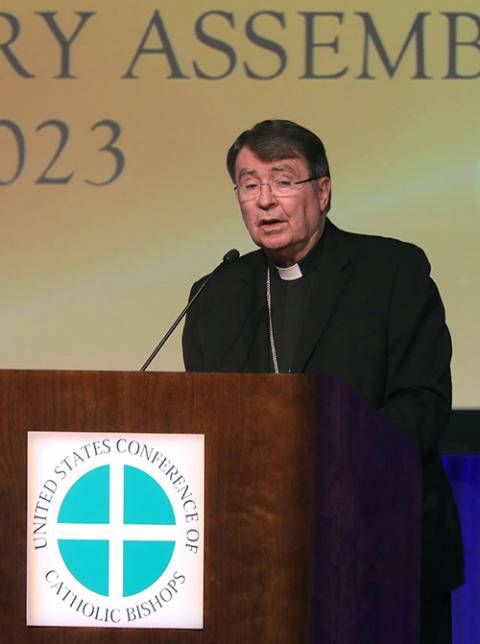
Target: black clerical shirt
290	300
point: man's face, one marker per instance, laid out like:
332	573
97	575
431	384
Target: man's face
285	227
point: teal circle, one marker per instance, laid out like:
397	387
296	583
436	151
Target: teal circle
144	503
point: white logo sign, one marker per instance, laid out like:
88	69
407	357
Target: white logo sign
115	530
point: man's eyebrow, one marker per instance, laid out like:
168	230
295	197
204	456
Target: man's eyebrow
247	171
284	167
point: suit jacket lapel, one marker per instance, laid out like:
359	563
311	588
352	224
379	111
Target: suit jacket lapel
254	339
329	280
242	339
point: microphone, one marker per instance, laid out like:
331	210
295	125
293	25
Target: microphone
228	258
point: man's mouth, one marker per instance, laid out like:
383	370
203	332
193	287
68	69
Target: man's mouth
267	223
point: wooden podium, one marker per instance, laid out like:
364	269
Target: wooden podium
312	503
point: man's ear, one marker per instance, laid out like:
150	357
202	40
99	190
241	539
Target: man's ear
324	186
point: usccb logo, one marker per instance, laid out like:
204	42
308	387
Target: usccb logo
115	530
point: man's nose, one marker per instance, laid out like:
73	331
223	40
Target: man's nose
266	198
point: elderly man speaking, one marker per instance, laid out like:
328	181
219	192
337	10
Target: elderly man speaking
316	299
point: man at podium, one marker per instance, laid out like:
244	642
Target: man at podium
316	299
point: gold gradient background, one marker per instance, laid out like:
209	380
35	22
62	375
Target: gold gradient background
92	276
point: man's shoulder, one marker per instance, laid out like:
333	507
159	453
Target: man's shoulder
241	268
377	247
253	259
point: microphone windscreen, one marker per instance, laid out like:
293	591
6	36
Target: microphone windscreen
231	256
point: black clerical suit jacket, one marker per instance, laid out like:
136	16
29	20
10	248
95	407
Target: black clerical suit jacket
375	320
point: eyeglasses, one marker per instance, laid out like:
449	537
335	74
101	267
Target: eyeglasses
250	187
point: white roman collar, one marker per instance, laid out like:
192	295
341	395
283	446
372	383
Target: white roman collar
289	273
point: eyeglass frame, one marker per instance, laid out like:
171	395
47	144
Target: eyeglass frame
267	183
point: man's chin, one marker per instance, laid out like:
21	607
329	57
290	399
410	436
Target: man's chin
279	254
273	243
